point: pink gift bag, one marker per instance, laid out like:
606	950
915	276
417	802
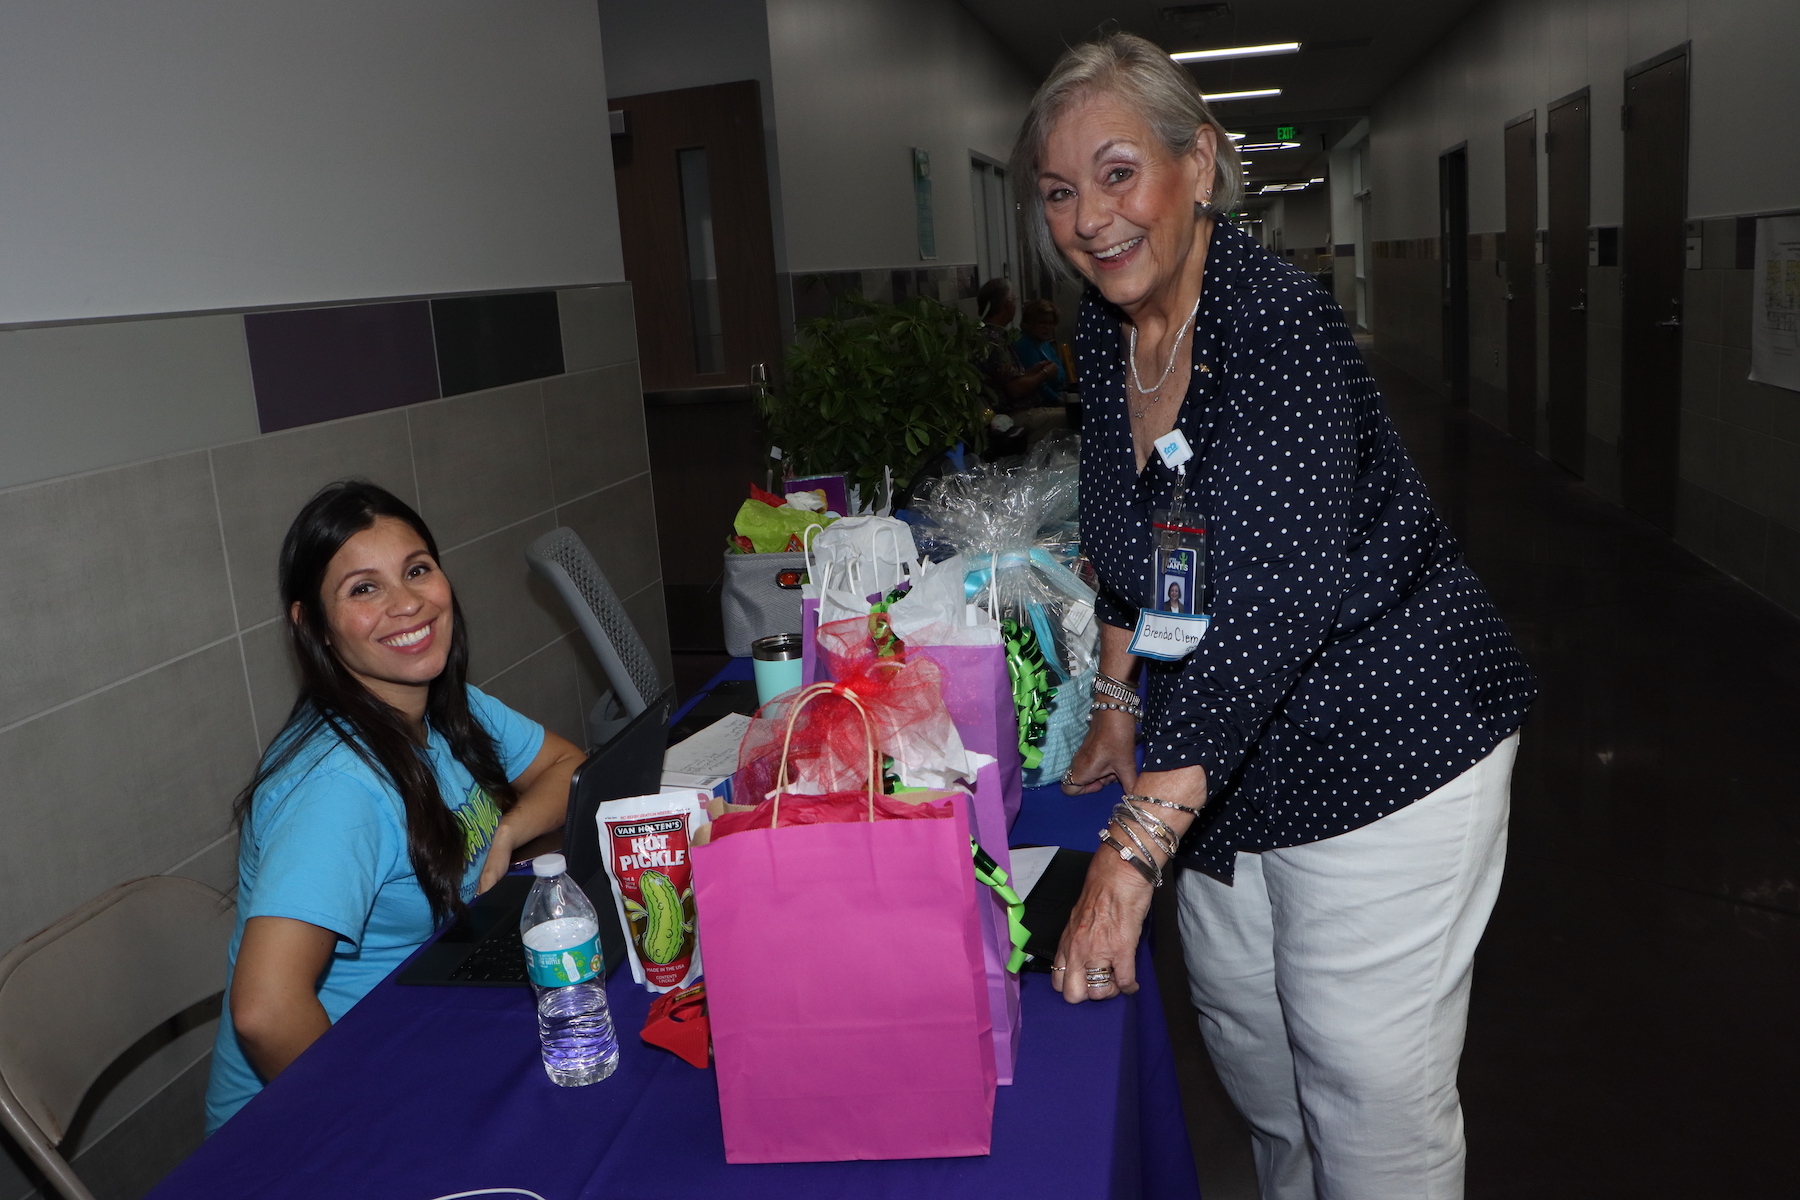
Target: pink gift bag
846	991
978	692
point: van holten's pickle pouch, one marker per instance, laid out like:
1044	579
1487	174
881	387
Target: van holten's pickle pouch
646	841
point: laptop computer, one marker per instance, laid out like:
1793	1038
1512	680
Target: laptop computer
482	948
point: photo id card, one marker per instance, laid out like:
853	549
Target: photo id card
1178	575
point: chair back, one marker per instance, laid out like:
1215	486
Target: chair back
81	993
561	557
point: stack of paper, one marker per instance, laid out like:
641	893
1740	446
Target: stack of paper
708	759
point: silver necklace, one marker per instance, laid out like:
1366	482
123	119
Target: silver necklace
1155	390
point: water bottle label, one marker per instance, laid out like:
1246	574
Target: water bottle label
559	968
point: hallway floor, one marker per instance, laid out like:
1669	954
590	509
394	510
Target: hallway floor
1635	1022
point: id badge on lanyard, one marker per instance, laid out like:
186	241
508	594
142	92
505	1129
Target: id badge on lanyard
1173	623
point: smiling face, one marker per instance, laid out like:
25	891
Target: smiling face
1120	207
388	612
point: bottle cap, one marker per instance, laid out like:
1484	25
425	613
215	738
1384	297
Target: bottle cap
548	866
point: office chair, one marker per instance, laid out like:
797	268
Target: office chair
561	557
84	991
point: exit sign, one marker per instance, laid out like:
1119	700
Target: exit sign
1284	133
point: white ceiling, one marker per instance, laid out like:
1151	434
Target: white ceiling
1351	51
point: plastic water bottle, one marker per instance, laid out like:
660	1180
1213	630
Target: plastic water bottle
568	973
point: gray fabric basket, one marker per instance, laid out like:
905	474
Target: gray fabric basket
754	603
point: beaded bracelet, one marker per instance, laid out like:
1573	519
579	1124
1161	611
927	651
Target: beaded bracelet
1136	711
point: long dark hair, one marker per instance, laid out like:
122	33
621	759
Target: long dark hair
334	703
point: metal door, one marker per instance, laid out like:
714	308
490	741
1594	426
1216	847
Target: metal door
1453	229
1652	258
1566	260
1521	281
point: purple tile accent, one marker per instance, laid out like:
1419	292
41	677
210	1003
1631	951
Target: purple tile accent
319	364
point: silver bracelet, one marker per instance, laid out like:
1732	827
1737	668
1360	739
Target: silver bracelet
1148	869
1106	685
1137	841
1163	804
1164	837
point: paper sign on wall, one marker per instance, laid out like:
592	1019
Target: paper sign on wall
1775	327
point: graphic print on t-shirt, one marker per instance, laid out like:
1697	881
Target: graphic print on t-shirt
479	816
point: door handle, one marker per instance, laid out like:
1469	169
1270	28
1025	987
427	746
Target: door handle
1509	297
1581	304
1670	323
1577	308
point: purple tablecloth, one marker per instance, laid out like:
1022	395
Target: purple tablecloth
423	1092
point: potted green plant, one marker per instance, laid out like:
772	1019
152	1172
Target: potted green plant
876	387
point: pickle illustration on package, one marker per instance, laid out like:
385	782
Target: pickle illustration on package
647	840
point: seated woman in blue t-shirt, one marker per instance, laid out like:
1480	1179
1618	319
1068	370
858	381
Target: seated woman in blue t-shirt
395	793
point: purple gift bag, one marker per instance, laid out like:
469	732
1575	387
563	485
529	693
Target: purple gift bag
978	692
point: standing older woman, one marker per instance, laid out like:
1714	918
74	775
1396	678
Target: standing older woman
1331	762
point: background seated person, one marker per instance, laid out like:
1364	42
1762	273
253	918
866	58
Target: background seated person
1015	388
1037	344
393	795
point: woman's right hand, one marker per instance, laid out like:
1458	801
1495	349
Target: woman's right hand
1108	752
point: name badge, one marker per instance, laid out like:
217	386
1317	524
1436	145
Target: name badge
1168	636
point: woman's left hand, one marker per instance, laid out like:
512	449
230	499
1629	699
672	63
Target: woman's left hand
1103	930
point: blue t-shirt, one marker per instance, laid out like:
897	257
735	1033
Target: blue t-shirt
325	843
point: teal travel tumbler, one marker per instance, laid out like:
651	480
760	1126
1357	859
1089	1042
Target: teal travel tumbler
776	659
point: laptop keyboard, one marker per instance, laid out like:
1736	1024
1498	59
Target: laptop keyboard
497	958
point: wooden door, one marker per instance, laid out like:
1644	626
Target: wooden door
699	251
1453	229
1652	258
1566	260
1521	281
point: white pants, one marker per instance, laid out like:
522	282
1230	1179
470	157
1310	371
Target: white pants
1332	981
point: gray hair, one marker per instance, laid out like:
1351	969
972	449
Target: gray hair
1143	76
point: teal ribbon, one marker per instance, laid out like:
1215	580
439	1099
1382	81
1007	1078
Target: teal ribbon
989	872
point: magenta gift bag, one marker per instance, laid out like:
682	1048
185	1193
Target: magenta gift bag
978	692
847	993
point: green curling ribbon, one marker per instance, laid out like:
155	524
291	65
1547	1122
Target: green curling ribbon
989	872
1032	689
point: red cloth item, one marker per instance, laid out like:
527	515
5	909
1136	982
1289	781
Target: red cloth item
894	703
768	498
678	1023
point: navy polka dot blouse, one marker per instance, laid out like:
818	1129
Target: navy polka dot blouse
1354	663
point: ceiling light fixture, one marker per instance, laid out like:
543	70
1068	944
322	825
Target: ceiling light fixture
1255	94
1188	56
1260	147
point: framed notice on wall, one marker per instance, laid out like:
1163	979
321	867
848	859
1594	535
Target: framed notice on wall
1775	292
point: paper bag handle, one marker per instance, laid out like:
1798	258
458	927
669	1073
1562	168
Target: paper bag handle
801	701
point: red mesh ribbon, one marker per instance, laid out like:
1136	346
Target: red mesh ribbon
838	736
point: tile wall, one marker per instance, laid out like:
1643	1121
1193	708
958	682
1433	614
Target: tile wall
1740	441
145	666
